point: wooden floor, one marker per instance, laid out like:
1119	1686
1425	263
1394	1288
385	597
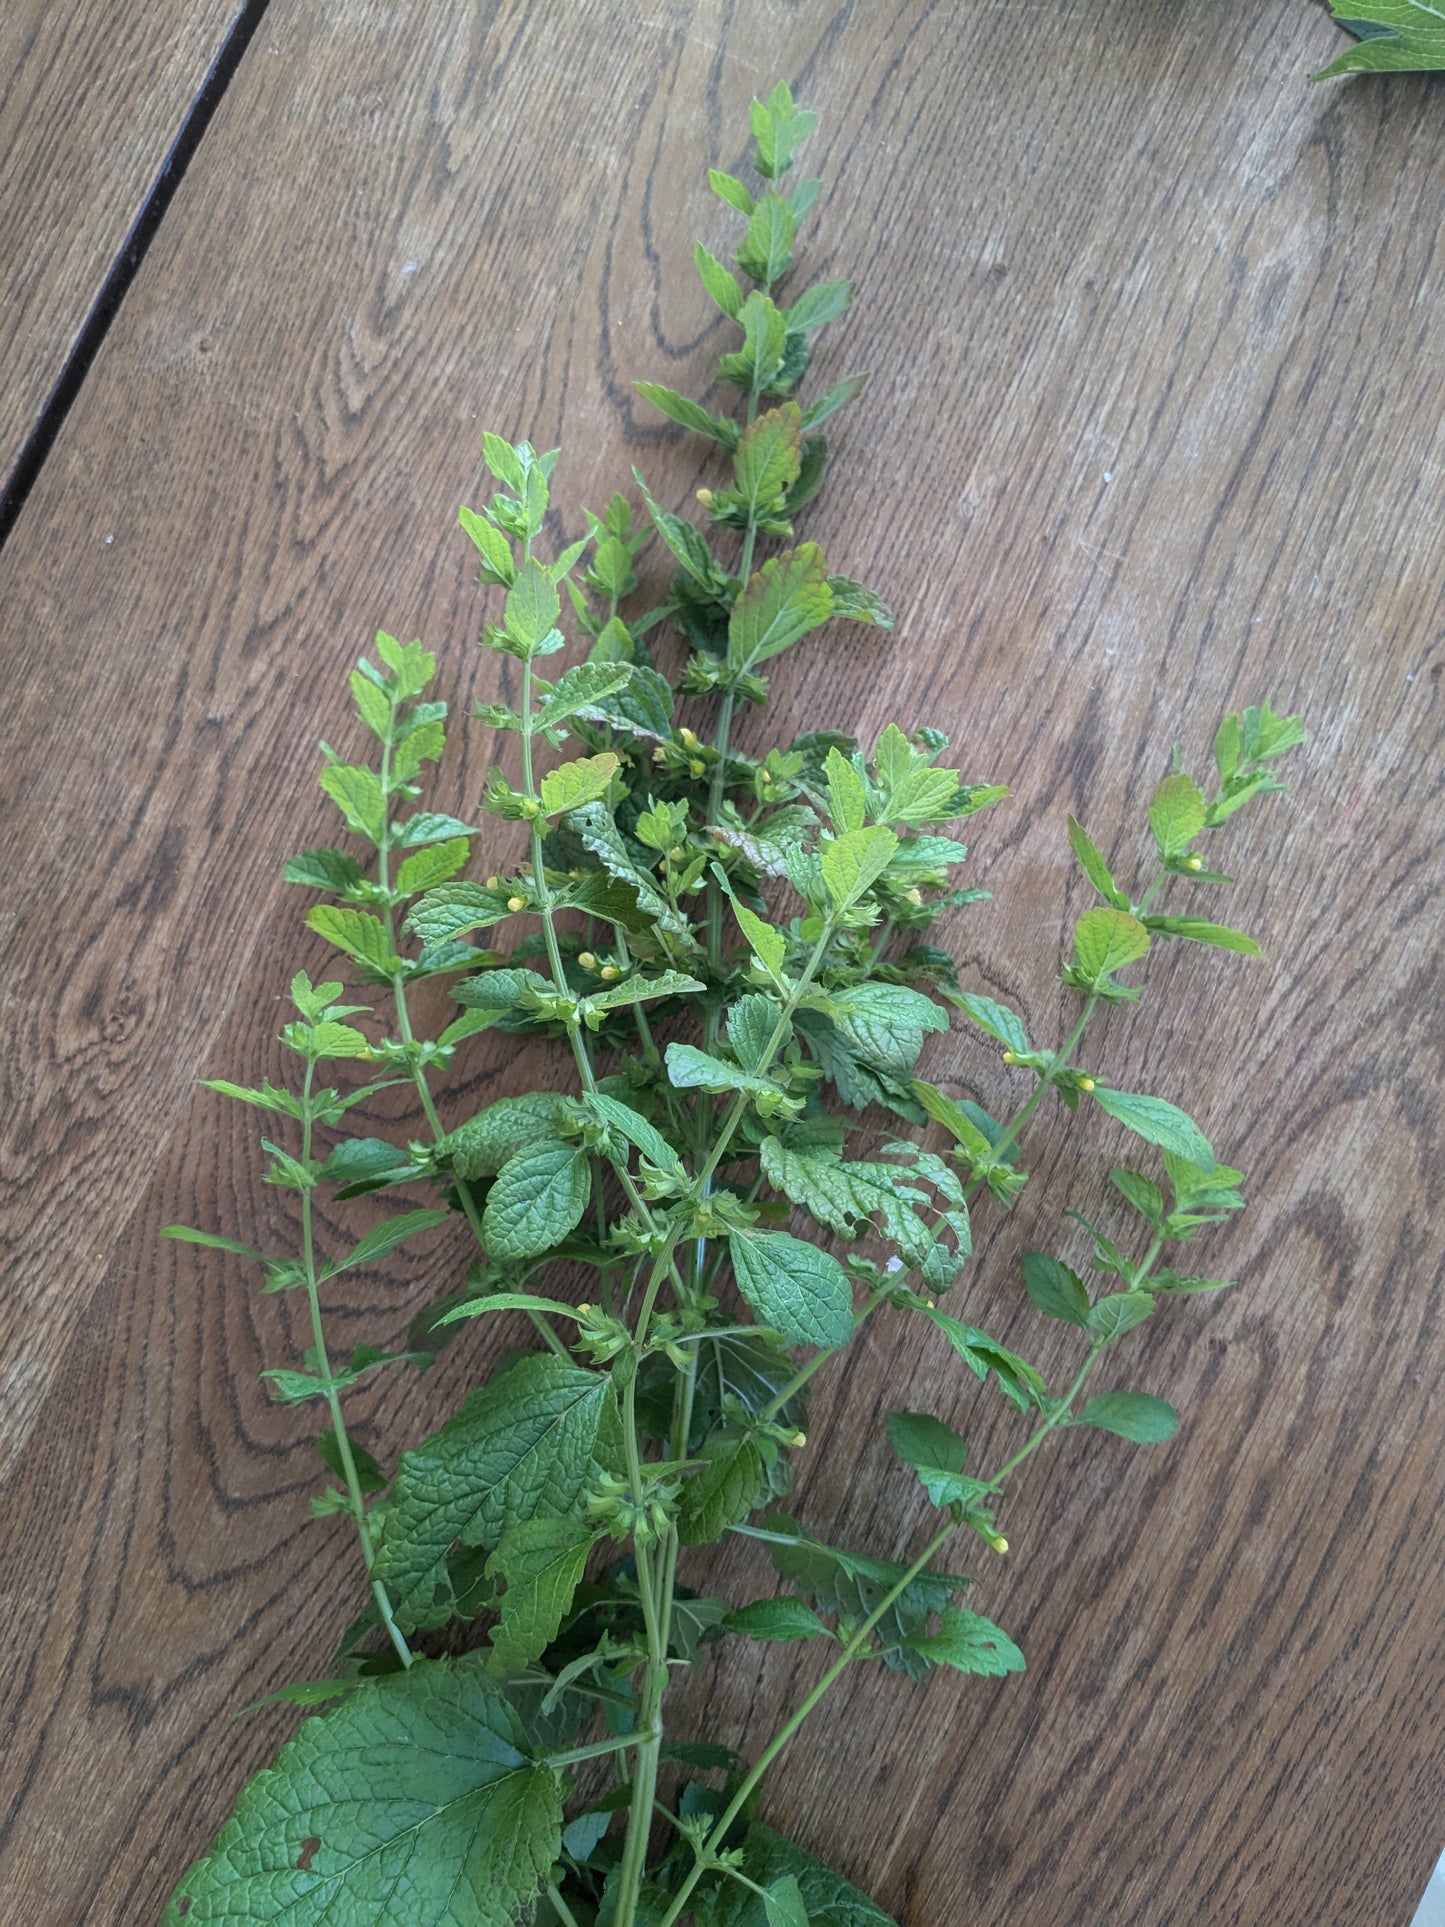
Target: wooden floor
1154	430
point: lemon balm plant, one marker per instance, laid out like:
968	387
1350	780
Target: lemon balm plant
734	953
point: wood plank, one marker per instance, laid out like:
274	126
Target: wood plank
91	101
1153	430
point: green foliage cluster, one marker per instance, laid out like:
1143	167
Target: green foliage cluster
737	950
1393	37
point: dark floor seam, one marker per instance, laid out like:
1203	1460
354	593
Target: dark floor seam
127	264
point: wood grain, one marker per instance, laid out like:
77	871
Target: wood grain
93	99
1154	430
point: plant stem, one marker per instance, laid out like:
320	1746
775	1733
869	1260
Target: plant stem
355	1496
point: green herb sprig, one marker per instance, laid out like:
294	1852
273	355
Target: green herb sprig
736	952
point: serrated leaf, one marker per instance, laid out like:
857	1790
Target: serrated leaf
357	932
539	1195
689	414
770	946
186	1235
422	745
324	870
721	1492
997	1019
784	1905
798	1290
1396	36
730	190
533	607
622	1118
691	1069
431	866
847	796
1139	1417
682	538
411	666
854	602
1157	1122
1200	931
834	398
786	599
496	550
1106	940
935	1452
781	1620
571	785
485	1142
886	1022
719	283
526	1445
1113	1316
1091	859
335	1833
819	305
384	1238
641	989
851	864
1054	1289
338	1040
766	252
542	1561
778	127
430	826
583	686
969	1643
1177	813
356	792
1145	1196
767	458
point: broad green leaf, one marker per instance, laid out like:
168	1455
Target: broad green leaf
1095	868
622	1118
324	870
1119	1313
923	795
533	607
1157	1122
541	1561
730	190
641	990
385	1237
970	1644
338	1040
496	550
690	414
691	1069
856	603
1138	1416
787	597
834	398
766	253
356	792
485	1142
887	1022
1020	1383
1054	1289
1106	940
1396	36
433	865
430	826
759	361
571	785
781	1620
409	1803
682	538
997	1019
851	863
1199	931
595	825
847	797
955	1120
794	1287
526	1445
767	459
935	1452
770	946
421	745
721	1492
818	305
784	1904
539	1195
1145	1196
1176	814
357	932
778	127
412	667
451	909
769	1860
583	685
719	283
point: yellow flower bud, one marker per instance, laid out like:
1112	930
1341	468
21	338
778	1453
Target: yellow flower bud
765	776
997	1541
584	1310
798	1441
914	895
696	767
674	855
704	495
659	755
1009	1058
610	973
689	738
1086	1083
1194	863
576	875
516	903
492	882
586	959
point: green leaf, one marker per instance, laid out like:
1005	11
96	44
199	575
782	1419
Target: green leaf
1199	931
412	667
794	1287
421	745
542	1562
834	398
769	1860
1054	1289
1176	814
1138	1416
1094	866
730	190
571	785
935	1452
784	1904
691	414
719	283
1396	36
997	1019
324	870
539	1195
766	253
751	1023
778	127
357	932
496	550
528	1444
384	1238
787	597
767	459
186	1235
428	867
969	1643
1106	940
357	794
1157	1122
411	1794
429	826
851	863
338	1040
855	603
533	607
759	362
721	1492
622	1118
780	1620
641	989
581	688
691	1069
485	1142
503	1301
847	796
819	305
1145	1196
1119	1313
887	1022
683	539
770	946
